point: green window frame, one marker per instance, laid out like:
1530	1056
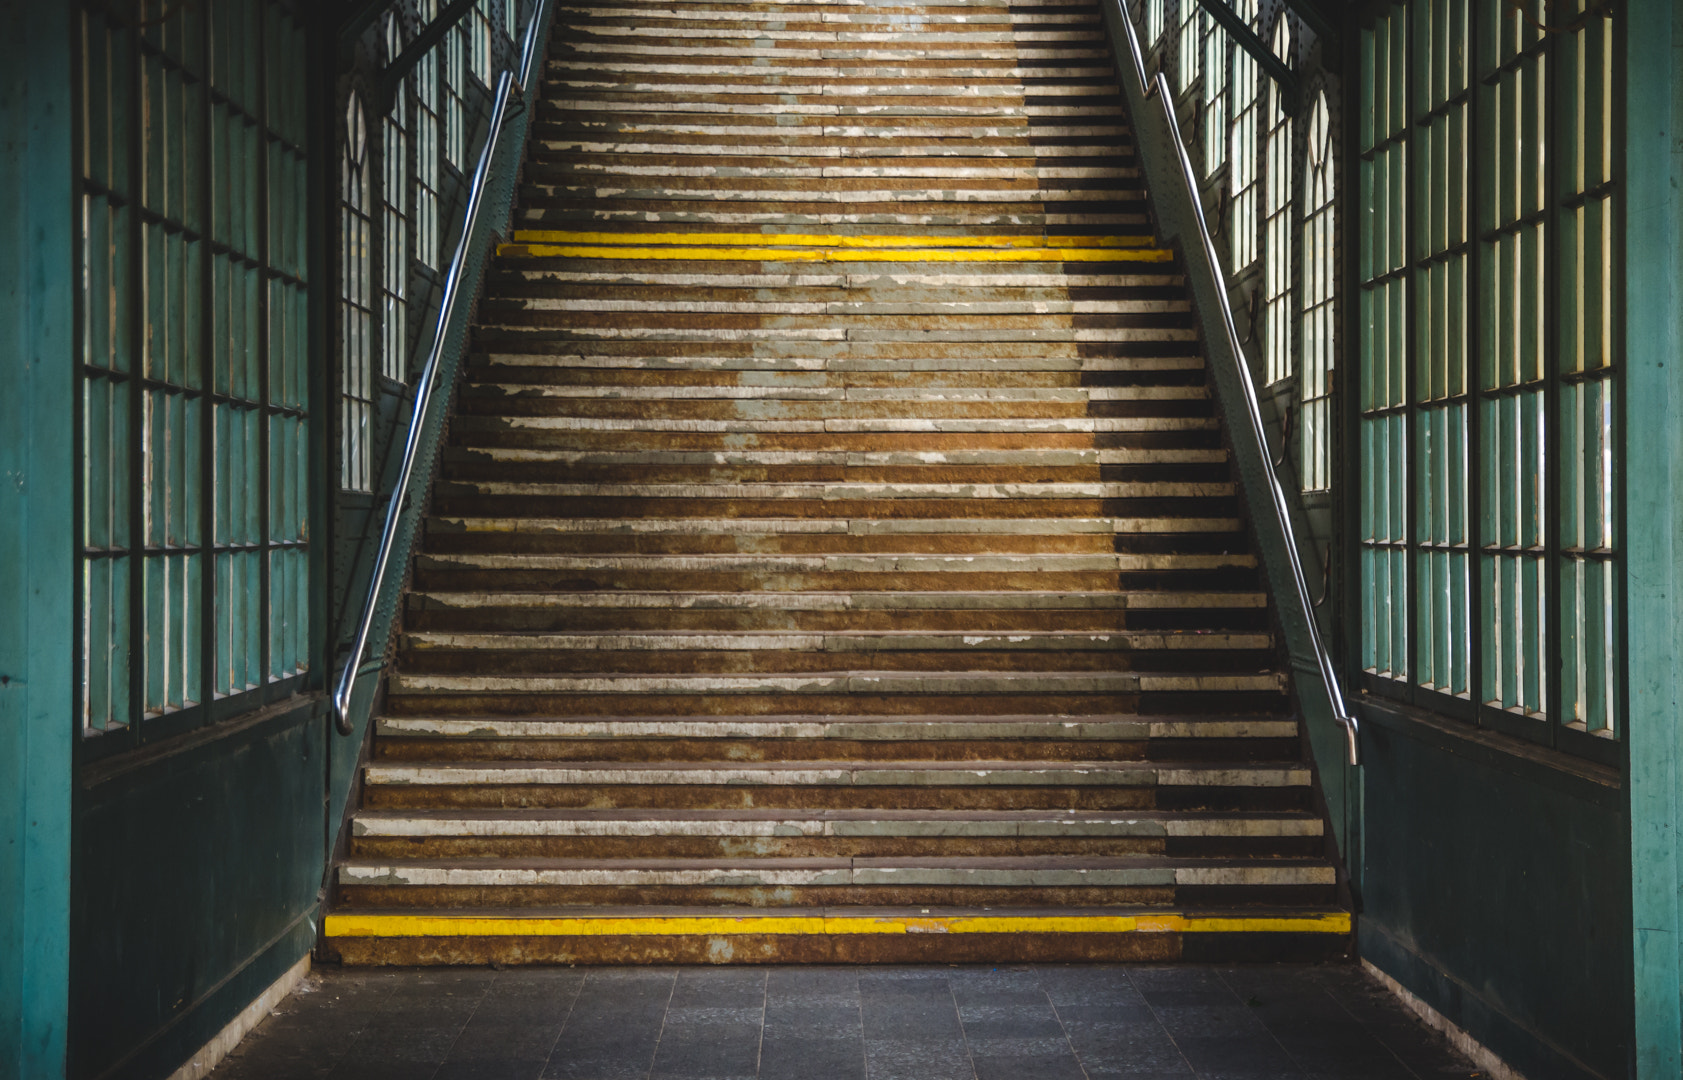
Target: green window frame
192	327
1319	300
1217	50
1189	50
1278	201
1243	178
1491	577
356	303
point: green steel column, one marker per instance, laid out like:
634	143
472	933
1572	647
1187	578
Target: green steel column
1653	239
37	377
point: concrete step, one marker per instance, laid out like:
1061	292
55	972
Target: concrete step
836	555
815	935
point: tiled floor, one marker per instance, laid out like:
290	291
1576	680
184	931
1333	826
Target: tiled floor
910	1023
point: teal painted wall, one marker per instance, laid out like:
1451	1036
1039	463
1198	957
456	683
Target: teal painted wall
197	870
36	463
1494	886
1654	522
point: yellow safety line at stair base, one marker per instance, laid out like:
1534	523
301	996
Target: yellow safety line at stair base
394	926
821	254
554	236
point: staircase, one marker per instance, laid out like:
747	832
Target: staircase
834	556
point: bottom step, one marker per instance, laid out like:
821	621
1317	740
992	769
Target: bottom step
834	935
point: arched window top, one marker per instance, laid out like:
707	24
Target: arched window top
393	36
1283	41
356	132
1319	179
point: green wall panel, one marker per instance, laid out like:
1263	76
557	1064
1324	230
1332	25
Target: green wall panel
193	870
36	471
1653	238
1495	888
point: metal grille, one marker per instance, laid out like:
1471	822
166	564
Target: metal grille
192	332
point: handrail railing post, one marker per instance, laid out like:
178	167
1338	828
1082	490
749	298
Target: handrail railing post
1159	88
507	87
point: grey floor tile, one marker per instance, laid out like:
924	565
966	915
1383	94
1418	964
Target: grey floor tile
811	1058
708	1050
1234	1054
1010	1022
1042	1066
822	1021
918	1059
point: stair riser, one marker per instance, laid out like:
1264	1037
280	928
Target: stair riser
559	618
531	537
776	704
394	749
596	847
440	661
720	797
538	896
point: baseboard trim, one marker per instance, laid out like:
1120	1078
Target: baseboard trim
211	1054
1481	1055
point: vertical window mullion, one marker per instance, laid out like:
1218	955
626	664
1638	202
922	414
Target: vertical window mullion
260	392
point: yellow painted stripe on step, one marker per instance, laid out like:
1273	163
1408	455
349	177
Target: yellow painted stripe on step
819	254
395	926
555	236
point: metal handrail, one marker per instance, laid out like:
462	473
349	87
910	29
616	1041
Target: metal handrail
506	88
1159	88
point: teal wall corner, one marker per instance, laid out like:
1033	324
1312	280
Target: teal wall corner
36	537
1654	522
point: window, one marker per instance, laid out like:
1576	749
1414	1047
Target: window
1242	150
192	330
455	105
427	125
394	224
1276	225
479	30
1319	285
1217	47
1488	303
1383	295
1153	23
1190	49
356	311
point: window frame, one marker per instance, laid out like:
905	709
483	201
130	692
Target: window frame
1549	723
187	123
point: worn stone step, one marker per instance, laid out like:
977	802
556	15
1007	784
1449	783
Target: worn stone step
1027	872
813	935
888	729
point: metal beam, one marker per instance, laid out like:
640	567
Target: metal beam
391	77
1264	56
